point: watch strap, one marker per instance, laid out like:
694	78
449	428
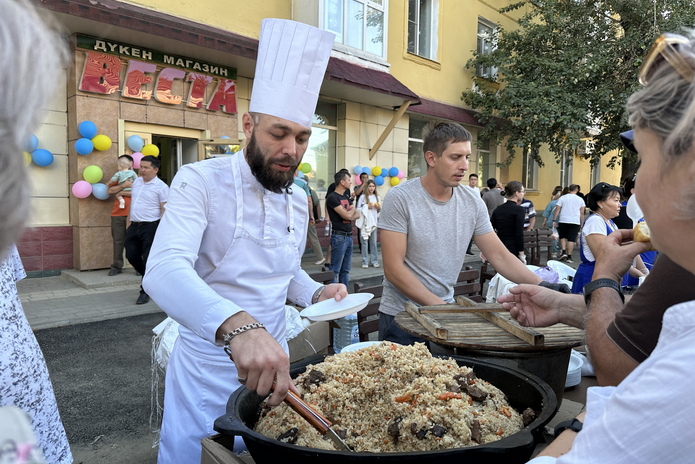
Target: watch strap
600	283
574	424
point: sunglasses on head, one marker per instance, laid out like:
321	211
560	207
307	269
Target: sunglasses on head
666	48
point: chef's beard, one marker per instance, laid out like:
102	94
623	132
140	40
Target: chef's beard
271	179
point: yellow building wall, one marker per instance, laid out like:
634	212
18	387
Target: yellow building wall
238	16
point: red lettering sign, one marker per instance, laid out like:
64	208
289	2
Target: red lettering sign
196	94
165	83
224	97
101	73
135	78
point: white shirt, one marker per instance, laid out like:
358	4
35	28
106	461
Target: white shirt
594	224
147	198
475	189
648	418
571	204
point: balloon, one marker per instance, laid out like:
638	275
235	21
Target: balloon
376	171
87	129
305	168
150	150
84	146
395	181
366	170
42	157
379	180
27	158
401	174
33	143
100	191
357	170
393	172
101	142
225	137
357	180
92	174
135	142
137	156
81	189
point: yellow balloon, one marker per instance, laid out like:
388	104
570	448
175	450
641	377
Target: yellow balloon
376	171
150	150
101	142
395	181
27	158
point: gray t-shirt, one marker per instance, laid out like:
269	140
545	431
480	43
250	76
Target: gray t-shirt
438	236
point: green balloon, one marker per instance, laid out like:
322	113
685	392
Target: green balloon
92	174
305	168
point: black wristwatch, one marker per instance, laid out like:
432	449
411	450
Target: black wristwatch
599	283
574	424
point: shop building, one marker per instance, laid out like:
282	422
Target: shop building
179	75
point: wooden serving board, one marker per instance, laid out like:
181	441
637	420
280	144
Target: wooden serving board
469	330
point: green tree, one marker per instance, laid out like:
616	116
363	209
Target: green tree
566	72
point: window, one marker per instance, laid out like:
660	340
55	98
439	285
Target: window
486	44
530	171
485	171
595	174
416	159
422	28
358	24
321	154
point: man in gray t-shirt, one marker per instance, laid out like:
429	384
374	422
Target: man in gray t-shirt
426	225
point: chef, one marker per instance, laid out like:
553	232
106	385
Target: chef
227	252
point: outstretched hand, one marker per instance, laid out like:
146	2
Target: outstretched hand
532	305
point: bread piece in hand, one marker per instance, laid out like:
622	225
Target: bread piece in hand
641	234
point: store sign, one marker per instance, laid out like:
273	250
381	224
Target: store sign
109	69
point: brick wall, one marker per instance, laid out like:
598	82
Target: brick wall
45	250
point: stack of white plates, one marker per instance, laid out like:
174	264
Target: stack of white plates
574	370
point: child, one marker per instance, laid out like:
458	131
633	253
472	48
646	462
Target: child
124	173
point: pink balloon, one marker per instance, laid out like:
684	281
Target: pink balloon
357	179
82	189
137	156
400	175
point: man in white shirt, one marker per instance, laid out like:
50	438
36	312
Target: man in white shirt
227	254
148	197
568	218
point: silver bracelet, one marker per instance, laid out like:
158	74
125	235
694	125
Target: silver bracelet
317	294
240	330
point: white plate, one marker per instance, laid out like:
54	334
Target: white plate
358	346
328	310
574	370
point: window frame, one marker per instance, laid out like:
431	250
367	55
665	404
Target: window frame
422	165
529	173
342	37
432	29
489	73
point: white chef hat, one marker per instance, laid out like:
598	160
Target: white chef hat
292	60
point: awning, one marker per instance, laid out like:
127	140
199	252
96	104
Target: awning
444	111
356	83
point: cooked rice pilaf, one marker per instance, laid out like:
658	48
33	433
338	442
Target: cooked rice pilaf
394	398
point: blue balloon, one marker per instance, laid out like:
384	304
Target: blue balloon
393	172
33	143
357	170
135	142
366	170
42	157
225	137
100	191
379	180
87	129
84	146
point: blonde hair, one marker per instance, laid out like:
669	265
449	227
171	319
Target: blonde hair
31	50
666	106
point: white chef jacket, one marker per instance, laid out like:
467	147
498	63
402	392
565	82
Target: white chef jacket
650	416
225	245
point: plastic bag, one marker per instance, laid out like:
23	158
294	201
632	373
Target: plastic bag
548	274
554	235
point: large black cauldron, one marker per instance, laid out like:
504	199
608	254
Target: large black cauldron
523	390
